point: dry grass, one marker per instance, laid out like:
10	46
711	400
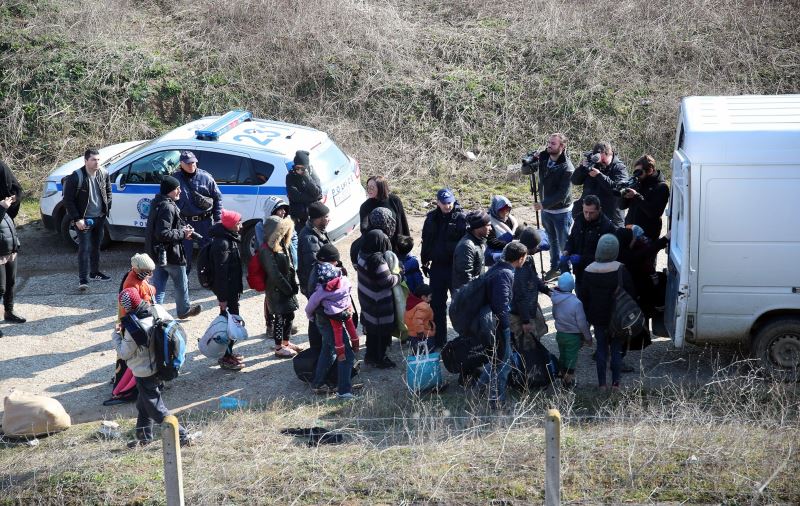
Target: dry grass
403	85
734	440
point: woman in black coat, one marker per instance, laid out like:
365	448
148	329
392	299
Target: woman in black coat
379	196
10	196
227	283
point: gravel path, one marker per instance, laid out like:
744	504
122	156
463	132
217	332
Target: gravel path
65	351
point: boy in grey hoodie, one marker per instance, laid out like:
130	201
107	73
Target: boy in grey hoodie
572	329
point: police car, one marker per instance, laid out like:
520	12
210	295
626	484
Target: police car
248	158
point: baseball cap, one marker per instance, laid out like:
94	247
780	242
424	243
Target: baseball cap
445	196
188	157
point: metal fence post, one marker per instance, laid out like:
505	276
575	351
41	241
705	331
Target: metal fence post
173	470
552	463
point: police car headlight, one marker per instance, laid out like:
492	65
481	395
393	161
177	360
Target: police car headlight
50	189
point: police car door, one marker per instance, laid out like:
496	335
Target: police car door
134	186
234	174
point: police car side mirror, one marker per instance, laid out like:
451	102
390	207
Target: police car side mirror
120	180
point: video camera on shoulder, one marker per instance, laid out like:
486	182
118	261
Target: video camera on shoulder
529	162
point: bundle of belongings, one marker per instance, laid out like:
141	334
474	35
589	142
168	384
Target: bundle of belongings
27	415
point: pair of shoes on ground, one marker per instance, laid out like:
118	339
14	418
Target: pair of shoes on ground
326	389
11	317
193	311
230	363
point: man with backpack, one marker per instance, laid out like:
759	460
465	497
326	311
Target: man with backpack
87	201
164	242
468	259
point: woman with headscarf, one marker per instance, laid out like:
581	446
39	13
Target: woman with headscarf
379	196
381	219
10	196
503	230
375	283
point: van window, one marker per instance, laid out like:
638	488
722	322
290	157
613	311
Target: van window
328	161
151	168
225	168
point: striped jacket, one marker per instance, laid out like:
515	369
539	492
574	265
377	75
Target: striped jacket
375	294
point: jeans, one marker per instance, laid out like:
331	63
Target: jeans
89	248
557	227
151	409
441	278
179	281
602	338
201	227
495	372
327	356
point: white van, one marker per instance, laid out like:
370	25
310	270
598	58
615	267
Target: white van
246	156
734	256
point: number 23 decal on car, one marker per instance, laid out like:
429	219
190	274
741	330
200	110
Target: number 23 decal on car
260	137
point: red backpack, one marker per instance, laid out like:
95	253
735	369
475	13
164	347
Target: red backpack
256	276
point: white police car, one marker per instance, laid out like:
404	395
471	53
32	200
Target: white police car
246	156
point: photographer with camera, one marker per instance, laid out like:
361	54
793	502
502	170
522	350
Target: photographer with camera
164	242
601	173
555	170
647	198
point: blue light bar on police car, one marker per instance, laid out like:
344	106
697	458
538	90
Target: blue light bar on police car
222	125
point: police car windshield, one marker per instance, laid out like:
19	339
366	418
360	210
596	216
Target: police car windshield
127	152
328	161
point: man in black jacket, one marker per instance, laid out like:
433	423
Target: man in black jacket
601	179
87	200
443	228
303	188
468	259
309	241
555	172
582	241
164	238
646	204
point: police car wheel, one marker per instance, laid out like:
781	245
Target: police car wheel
249	245
70	236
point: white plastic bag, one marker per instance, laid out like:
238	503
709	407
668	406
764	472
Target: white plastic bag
236	328
215	340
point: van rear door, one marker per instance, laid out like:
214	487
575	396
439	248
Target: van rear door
677	296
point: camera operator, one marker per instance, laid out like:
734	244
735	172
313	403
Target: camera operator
555	171
600	173
164	242
646	200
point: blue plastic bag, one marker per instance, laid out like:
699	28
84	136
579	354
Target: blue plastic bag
423	372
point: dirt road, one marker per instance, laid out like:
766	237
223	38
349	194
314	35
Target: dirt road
65	350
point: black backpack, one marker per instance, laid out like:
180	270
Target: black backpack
466	305
463	355
170	348
205	267
627	318
534	367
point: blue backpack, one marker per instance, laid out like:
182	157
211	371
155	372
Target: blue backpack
170	347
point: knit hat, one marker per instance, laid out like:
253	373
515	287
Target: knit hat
477	219
129	299
530	237
230	218
326	272
382	219
301	158
168	183
637	231
607	248
328	253
566	282
142	262
317	210
445	196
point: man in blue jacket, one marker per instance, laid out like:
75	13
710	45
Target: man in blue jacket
201	201
443	228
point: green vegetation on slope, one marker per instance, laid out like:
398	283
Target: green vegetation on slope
403	85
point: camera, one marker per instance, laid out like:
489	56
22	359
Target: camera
632	183
529	162
591	159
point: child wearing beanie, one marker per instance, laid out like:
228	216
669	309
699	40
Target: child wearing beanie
572	329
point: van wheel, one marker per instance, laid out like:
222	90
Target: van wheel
70	236
249	245
777	346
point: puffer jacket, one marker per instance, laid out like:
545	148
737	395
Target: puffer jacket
140	359
270	205
227	284
527	287
604	187
596	290
468	260
309	242
333	296
647	212
499	288
568	314
165	226
281	284
9	240
419	317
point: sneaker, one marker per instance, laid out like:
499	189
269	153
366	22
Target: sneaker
356	386
346	397
293	347
551	274
136	443
191	439
10	317
83	285
230	364
193	311
284	352
322	389
99	276
238	357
